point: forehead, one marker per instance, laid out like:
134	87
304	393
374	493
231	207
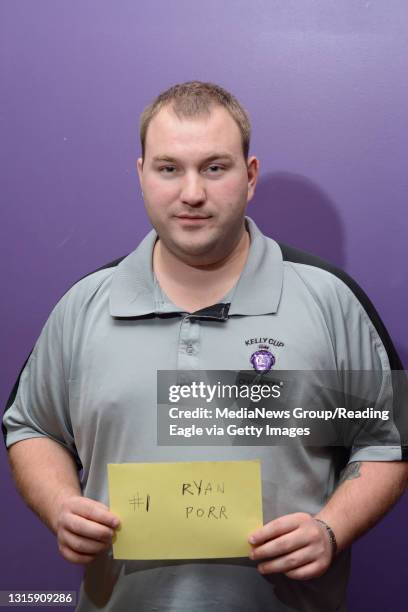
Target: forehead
169	134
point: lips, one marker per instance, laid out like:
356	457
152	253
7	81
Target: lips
192	221
193	217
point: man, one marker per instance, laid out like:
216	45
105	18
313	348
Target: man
196	294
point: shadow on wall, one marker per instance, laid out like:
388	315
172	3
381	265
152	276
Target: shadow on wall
292	209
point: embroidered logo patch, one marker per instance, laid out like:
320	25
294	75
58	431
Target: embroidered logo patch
262	360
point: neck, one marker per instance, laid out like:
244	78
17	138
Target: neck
193	287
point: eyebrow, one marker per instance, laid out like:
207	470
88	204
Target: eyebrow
209	158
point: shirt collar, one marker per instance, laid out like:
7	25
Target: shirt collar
134	292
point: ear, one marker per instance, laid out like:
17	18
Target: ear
253	172
139	166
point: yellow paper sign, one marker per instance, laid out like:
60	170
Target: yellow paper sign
197	510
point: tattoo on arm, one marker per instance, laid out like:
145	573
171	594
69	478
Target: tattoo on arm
352	470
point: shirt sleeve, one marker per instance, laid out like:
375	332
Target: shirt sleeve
38	406
367	358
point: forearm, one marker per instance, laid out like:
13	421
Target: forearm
298	545
45	473
47	478
367	491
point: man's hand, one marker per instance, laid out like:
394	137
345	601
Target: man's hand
47	477
84	528
294	544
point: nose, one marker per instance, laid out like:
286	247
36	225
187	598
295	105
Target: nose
192	191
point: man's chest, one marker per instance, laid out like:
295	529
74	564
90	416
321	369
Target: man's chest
114	368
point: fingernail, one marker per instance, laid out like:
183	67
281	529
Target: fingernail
252	540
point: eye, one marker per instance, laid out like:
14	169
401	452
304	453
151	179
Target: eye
167	169
215	169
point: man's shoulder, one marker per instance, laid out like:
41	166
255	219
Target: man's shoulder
316	269
325	278
332	286
93	283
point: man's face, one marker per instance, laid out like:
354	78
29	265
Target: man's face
196	184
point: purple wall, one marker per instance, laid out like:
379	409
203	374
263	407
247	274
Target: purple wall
325	84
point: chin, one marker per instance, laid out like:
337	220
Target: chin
204	252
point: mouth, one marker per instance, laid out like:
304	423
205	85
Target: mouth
185	216
193	218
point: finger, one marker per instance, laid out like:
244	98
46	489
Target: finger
289	562
282	545
277	527
94	511
80	545
88	529
307	572
74	557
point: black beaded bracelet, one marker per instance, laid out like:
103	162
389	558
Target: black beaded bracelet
332	537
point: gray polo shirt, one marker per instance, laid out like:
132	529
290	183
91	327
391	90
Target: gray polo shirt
90	384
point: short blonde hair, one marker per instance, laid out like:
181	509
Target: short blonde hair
195	98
